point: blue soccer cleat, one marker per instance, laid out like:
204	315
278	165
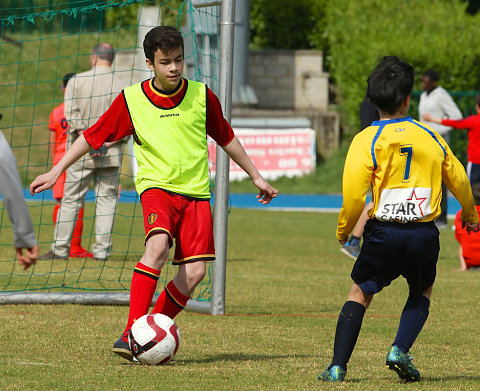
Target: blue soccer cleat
334	374
402	364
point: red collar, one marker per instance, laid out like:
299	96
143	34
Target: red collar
163	99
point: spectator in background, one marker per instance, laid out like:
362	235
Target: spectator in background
87	96
472	124
14	201
469	242
58	126
437	102
368	114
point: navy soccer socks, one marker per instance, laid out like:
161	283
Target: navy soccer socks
348	327
414	316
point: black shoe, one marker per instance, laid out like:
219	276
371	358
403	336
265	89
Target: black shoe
50	255
122	348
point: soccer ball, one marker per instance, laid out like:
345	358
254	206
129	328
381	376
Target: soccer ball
154	339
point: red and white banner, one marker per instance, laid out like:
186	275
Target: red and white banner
275	152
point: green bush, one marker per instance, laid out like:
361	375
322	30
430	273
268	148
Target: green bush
436	34
286	24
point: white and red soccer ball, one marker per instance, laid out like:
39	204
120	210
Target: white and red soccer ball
154	339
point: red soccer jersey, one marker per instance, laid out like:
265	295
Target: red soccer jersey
116	123
470	241
471	123
59	125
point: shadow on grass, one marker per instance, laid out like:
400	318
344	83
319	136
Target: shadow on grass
234	357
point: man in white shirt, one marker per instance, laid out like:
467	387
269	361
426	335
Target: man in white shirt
437	102
87	96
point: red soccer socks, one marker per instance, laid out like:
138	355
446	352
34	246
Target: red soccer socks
171	301
144	284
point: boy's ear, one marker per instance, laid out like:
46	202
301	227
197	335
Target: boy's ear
407	101
149	64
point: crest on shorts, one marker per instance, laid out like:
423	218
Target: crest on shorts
152	218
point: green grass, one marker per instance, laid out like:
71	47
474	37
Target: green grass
286	282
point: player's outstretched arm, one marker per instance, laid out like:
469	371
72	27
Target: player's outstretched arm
45	181
235	150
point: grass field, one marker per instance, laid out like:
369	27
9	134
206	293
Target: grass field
286	282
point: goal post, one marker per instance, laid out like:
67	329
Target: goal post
38	46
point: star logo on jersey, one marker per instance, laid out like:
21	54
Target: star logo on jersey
404	205
417	199
152	217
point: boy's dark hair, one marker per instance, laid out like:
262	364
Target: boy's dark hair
477	99
104	51
67	77
390	83
476	193
431	74
165	38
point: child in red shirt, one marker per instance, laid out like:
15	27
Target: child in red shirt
469	249
58	127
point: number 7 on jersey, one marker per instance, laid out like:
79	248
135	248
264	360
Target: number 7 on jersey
407	150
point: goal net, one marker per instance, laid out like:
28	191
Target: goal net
41	41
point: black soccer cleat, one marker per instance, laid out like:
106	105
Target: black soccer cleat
122	348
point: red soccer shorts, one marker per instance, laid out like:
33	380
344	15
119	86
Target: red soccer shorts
188	221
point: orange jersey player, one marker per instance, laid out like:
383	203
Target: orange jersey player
58	126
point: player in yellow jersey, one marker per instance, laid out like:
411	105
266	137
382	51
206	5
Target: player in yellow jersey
404	162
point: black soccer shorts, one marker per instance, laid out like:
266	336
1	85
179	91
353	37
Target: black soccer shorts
390	250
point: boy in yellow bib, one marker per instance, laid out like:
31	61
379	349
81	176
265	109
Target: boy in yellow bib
169	118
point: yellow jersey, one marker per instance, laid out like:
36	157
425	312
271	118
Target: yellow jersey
404	162
171	144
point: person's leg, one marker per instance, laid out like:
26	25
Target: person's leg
174	297
474	173
348	325
143	287
348	328
194	246
145	276
414	315
442	221
76	186
76	249
419	268
106	191
161	212
56	208
463	264
360	226
412	320
352	247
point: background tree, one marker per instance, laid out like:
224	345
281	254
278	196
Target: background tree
437	34
286	24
